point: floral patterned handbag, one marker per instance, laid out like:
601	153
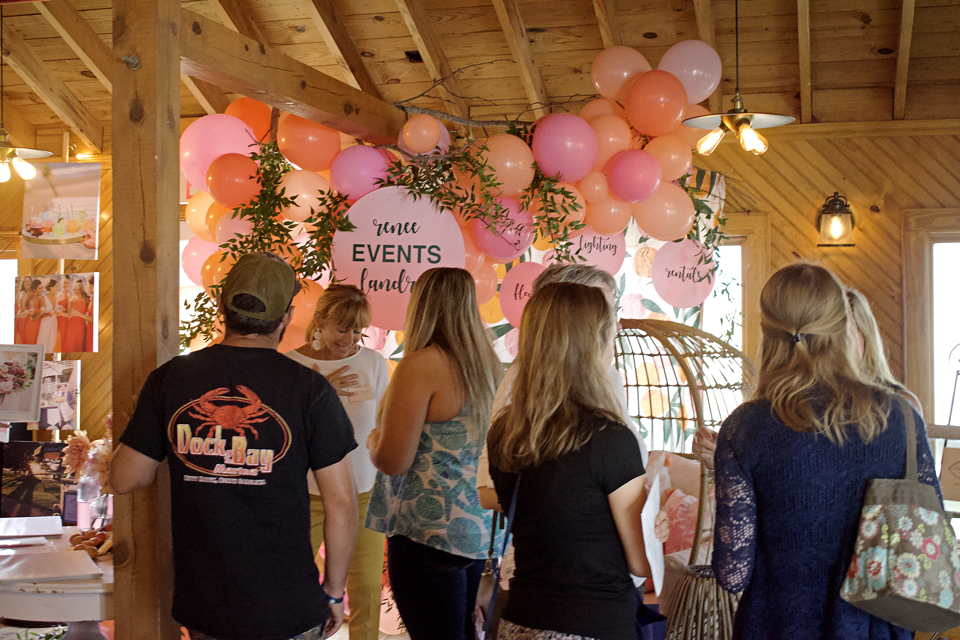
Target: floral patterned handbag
905	567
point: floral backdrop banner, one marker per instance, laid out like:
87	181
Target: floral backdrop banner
20	369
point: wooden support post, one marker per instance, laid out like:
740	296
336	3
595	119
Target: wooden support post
146	131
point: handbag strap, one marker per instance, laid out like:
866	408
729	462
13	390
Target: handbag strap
911	428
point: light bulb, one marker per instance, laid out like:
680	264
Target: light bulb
836	228
4	171
750	140
26	170
710	141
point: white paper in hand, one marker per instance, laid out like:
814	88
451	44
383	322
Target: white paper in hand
654	547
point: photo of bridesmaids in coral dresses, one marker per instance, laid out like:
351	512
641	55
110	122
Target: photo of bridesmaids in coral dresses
58	311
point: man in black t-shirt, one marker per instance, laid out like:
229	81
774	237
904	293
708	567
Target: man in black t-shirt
241	425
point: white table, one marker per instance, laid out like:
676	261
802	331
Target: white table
82	603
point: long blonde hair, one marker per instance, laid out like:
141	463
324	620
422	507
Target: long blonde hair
443	311
806	357
561	377
343	304
873	362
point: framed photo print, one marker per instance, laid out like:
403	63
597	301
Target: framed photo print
21	368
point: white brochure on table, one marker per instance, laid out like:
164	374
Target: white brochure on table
654	547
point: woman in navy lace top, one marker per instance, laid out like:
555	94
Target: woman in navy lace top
791	467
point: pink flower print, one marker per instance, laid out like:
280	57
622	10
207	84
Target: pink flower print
931	548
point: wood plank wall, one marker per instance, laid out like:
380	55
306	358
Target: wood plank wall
880	177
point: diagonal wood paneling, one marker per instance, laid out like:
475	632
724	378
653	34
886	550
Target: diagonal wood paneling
880	176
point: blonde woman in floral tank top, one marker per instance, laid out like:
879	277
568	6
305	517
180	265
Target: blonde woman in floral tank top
432	425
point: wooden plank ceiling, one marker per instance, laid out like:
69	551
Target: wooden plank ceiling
829	61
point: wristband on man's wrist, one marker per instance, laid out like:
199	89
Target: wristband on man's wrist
330	598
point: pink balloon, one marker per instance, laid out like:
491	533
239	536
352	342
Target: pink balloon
229	228
511	238
395	240
633	175
195	253
612	67
613	136
305	187
564	146
673	154
516	288
355	170
697	66
605	252
208	138
667	216
655	103
677	277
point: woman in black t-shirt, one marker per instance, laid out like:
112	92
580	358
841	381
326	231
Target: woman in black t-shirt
580	491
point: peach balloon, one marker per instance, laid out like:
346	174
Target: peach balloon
304	187
210	270
421	133
612	67
307	144
601	107
292	337
214	213
254	113
511	161
608	216
672	153
485	279
656	102
305	302
667	215
594	186
690	135
473	257
613	136
196	215
221	269
576	207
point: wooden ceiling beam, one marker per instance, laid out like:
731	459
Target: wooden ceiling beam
903	60
51	90
236	15
508	12
341	46
211	97
703	11
607	22
81	38
806	84
22	133
215	54
876	129
428	44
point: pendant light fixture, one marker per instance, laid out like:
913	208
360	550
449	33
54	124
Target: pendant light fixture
11	155
738	120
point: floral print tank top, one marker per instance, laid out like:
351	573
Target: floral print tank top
435	502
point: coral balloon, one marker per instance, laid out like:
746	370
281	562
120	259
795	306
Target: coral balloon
195	253
655	103
196	215
633	175
232	179
594	186
613	136
696	65
307	144
473	258
209	271
305	302
690	135
254	113
601	107
304	187
667	216
485	279
511	238
292	337
356	169
564	146
230	228
672	153
511	161
208	138
214	213
421	133
608	216
612	67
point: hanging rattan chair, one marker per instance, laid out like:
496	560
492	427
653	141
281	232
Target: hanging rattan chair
678	379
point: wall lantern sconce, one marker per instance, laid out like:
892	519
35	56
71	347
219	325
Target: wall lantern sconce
835	223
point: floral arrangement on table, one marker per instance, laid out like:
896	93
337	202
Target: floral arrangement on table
85	458
15	376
